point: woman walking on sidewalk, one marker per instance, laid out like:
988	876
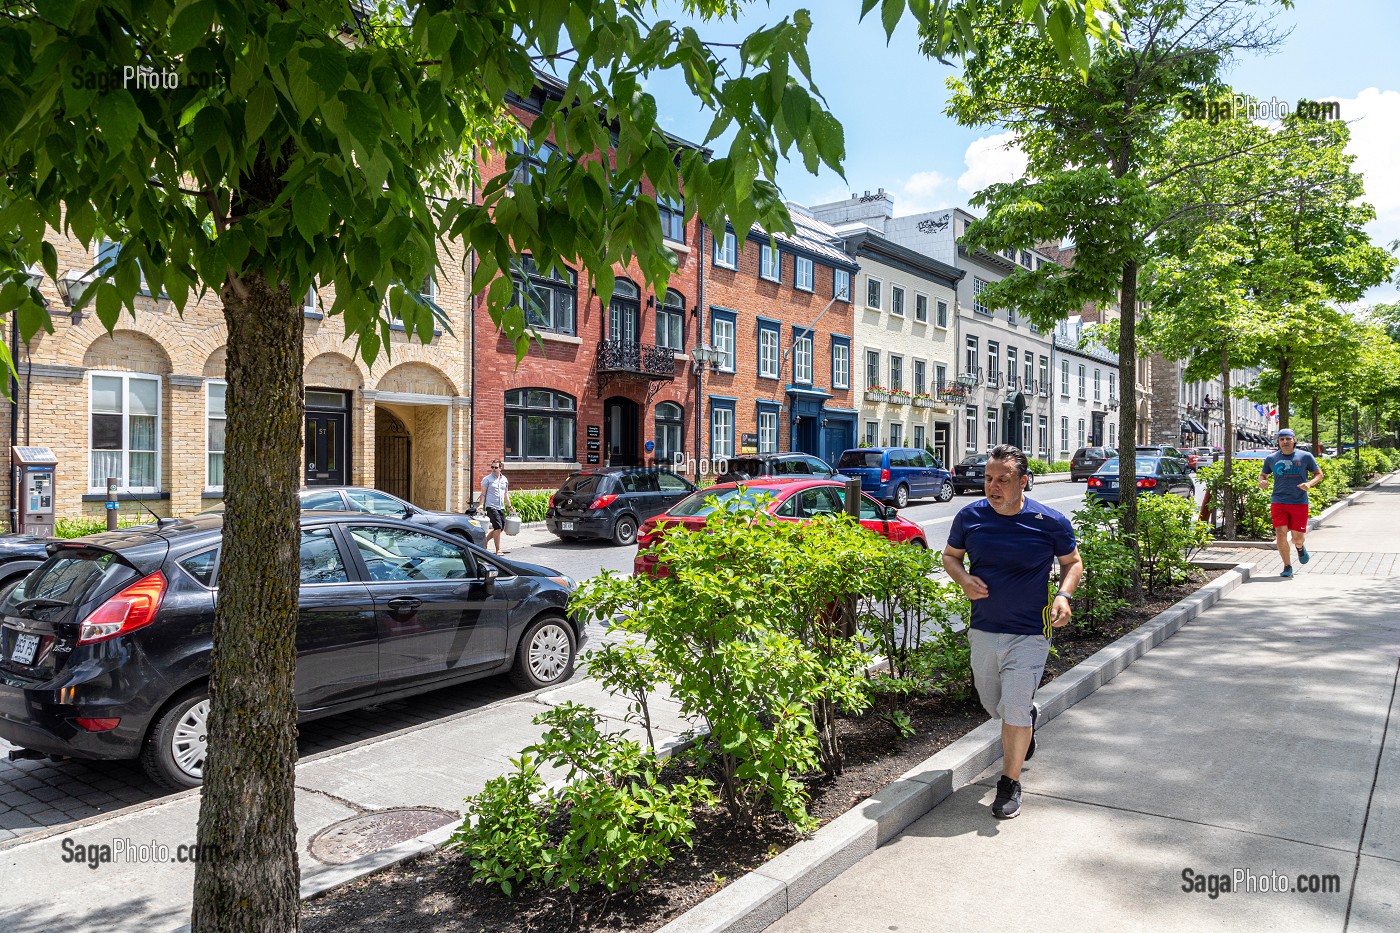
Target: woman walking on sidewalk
495	496
1293	472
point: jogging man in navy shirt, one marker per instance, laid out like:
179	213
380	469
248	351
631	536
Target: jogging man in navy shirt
1014	543
1293	473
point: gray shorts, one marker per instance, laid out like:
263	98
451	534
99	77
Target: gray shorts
1007	669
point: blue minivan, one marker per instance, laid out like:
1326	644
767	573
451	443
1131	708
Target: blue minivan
898	474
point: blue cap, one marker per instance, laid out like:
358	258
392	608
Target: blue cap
1286	432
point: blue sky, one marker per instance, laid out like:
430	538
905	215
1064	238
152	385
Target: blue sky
890	100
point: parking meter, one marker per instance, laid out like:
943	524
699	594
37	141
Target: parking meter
35	468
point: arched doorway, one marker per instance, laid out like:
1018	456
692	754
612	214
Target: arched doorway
620	431
393	447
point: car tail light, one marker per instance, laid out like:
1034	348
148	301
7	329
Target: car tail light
551	500
884	476
1148	483
1095	481
646	534
602	502
97	725
132	608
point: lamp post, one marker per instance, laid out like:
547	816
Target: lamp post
704	356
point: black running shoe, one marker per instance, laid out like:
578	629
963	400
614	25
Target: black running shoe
1008	803
1035	714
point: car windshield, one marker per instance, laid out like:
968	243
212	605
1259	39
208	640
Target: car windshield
750	466
697	505
1141	465
974	460
585	483
861	460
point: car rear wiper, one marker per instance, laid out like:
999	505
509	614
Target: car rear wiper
41	602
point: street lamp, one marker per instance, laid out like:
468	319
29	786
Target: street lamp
71	288
706	355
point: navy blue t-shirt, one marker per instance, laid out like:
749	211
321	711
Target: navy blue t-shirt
1289	472
1013	555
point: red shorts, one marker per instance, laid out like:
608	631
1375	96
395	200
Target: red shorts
1295	516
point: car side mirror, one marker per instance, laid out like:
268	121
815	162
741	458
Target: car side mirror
489	581
891	513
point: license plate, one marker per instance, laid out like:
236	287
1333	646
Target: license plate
566	526
26	646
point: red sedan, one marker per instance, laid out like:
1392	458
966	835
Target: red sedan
795	499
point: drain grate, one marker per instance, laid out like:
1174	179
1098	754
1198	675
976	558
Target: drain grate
350	839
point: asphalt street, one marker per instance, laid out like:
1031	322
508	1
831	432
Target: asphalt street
45	796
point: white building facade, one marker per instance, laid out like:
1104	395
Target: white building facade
1085	393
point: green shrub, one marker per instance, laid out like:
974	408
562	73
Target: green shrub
1169	534
903	601
530	506
1252	518
943	661
1334	486
621	821
1038	467
78	527
1108	566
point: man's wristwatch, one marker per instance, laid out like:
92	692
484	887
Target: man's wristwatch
1069	596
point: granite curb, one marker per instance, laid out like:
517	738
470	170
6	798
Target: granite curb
762	896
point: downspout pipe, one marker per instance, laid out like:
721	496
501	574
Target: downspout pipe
14	416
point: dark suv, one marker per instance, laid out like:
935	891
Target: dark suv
1087	460
752	467
104	649
611	503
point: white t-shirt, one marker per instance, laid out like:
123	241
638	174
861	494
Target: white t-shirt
493	490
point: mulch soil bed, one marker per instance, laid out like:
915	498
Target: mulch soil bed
434	893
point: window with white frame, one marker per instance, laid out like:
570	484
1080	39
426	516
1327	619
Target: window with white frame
767	431
970	357
1026	431
770	262
896	301
541	424
1011	366
872	434
767	350
993	361
896	434
1011	316
1026	259
896	372
670	322
1112	387
548	299
124	439
841	284
670	422
872	368
940	376
1030	372
874	290
215	417
970	429
919	436
1081	380
727	250
840	364
107	252
1096	384
672	218
1113	435
1064	435
921	308
1081	432
1044	373
803	273
722	339
532	159
991	428
978	287
1064	378
311	303
920	377
1043	445
942	318
802	357
722	432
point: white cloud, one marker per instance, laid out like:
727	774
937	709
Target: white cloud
991	159
922	191
1374	118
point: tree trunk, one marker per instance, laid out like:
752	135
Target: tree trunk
1339	429
1227	494
1316	435
1127	413
1285	380
247	813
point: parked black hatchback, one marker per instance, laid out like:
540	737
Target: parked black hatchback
612	503
104	649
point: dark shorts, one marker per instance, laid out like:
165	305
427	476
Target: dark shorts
1293	515
498	518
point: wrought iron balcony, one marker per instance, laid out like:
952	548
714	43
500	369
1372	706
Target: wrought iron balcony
621	357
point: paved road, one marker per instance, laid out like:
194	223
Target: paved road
44	795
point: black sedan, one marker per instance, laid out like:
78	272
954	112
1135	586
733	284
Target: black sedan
104	649
1156	476
470	526
969	475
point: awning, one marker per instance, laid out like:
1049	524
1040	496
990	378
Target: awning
1240	434
1192	426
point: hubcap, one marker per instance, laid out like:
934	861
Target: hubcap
549	652
947	491
189	742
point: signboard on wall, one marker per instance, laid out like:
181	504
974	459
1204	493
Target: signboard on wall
594	445
592	458
595	431
748	443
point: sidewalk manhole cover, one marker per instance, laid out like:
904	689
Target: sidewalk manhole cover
347	840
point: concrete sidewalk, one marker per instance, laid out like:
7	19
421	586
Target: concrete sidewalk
1264	738
46	890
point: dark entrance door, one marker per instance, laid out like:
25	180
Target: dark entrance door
1013	411
392	447
840	437
1097	438
620	431
327	440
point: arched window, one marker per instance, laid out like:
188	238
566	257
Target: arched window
669	430
623	311
548	299
670	322
540	425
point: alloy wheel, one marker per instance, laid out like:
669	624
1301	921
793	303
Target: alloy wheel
901	496
189	742
946	492
548	655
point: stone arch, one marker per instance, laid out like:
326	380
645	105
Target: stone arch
216	364
418	378
333	371
127	351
